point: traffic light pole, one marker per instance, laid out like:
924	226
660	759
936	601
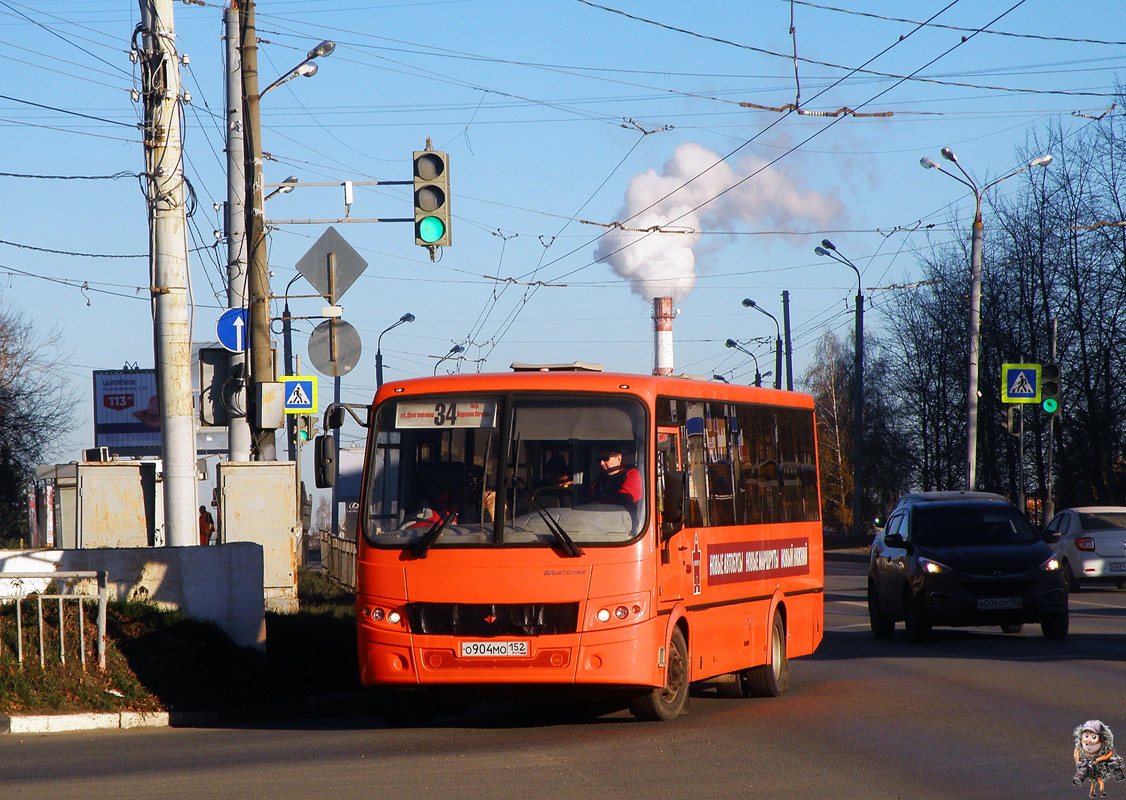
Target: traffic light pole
1049	501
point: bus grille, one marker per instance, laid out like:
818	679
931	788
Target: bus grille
493	619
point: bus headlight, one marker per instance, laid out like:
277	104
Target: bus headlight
613	611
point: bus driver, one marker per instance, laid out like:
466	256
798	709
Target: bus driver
618	483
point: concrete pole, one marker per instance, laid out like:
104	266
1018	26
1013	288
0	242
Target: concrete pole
858	416
238	429
975	343
169	279
258	279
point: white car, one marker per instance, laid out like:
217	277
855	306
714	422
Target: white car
1091	540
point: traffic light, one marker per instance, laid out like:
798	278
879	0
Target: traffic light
1050	388
431	198
306	427
1011	423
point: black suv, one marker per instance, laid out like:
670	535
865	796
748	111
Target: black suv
963	558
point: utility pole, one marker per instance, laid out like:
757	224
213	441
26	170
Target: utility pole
789	343
258	279
172	342
238	429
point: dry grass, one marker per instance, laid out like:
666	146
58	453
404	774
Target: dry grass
159	660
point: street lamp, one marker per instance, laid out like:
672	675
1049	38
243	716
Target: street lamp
379	355
457	348
975	292
749	303
741	349
257	273
306	69
285	188
829	249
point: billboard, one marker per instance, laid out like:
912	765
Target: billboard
127	412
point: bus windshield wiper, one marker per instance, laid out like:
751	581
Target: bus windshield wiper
435	530
565	541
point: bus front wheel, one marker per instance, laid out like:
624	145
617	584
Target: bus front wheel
668	701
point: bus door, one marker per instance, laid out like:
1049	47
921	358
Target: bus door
675	565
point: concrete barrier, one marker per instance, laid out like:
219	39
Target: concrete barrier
221	584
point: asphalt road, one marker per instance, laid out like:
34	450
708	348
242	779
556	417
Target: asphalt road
972	714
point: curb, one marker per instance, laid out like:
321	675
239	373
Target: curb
123	720
58	723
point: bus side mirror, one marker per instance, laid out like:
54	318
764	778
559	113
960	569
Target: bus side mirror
672	511
334	417
324	449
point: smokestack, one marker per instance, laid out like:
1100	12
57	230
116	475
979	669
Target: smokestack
662	335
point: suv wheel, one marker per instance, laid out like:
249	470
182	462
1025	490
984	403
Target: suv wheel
882	625
1070	582
1055	625
915	620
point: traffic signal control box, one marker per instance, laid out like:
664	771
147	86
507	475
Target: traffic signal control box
431	198
1050	385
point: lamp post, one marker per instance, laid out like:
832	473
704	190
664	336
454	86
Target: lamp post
975	293
741	349
258	280
827	248
749	303
378	355
457	348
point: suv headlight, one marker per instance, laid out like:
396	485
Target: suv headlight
933	567
1051	564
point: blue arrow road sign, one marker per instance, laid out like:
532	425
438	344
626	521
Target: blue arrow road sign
231	329
299	394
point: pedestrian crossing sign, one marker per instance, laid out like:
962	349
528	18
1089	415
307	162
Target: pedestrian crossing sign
1020	383
300	394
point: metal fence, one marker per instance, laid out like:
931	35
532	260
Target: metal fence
338	557
23	588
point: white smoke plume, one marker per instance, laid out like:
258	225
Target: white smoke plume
664	264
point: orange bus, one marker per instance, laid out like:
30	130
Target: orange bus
490	556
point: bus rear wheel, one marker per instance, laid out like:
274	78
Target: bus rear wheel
772	678
668	701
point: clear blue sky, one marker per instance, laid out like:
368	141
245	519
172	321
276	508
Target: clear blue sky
560	118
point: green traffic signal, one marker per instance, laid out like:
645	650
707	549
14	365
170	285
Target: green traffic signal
431	198
431	229
1050	384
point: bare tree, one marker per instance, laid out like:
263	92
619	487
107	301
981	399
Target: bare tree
36	411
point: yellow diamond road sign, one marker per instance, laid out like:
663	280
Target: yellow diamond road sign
1020	383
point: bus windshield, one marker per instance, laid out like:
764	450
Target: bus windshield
521	469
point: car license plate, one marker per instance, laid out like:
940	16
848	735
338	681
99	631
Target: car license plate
1118	566
494	649
998	603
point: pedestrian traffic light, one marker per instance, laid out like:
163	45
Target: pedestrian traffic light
431	198
306	427
1011	423
1050	388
